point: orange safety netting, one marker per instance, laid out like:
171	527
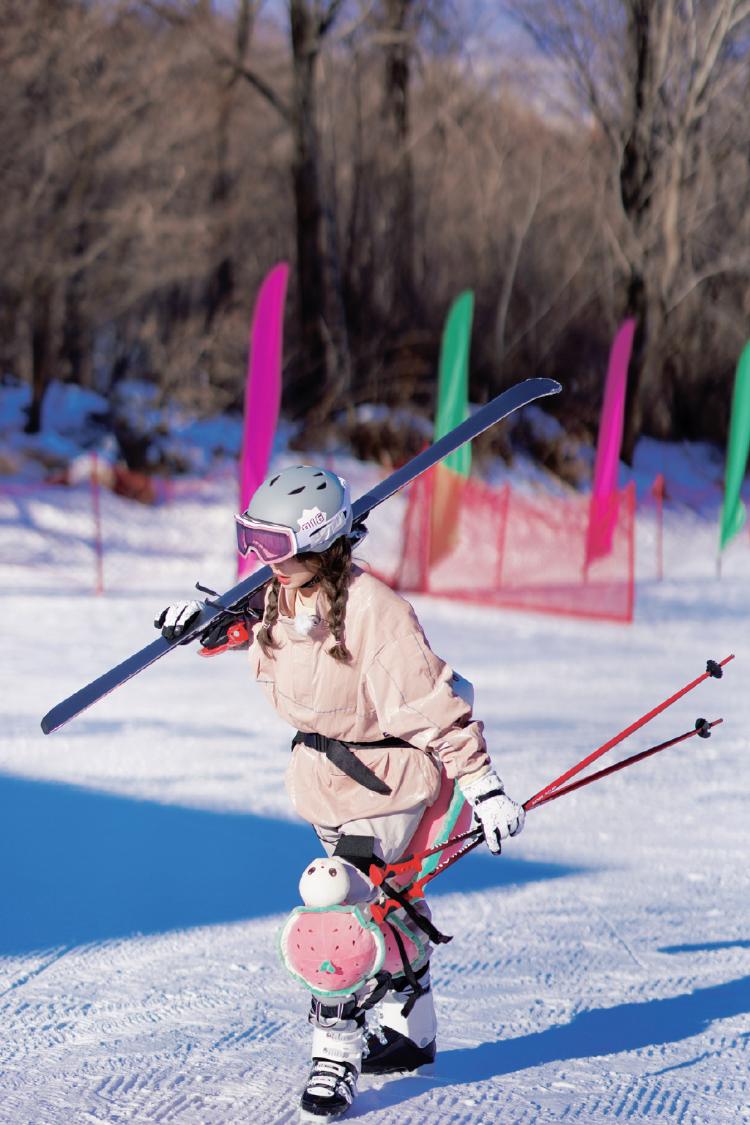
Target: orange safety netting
520	551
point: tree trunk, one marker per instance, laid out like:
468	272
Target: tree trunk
221	280
41	352
398	193
636	192
637	307
308	212
10	318
75	346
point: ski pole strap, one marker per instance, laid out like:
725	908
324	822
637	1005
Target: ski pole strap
713	669
415	889
397	898
340	754
358	850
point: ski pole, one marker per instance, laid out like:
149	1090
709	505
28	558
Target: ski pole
410	863
712	669
550	792
702	728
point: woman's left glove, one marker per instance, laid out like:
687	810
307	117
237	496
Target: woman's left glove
174	620
498	815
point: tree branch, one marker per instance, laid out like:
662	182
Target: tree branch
728	264
254	79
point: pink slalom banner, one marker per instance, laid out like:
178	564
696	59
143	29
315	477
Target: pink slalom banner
263	389
604	496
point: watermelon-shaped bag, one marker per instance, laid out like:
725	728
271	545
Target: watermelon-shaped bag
335	950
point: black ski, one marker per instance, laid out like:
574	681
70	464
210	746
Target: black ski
233	600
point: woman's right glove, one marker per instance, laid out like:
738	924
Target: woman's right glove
174	620
498	815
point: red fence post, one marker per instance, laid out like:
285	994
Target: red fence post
504	513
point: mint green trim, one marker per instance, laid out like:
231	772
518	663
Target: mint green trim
365	922
451	817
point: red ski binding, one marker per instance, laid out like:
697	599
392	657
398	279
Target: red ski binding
237	635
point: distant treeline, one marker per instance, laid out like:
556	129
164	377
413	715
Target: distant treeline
573	162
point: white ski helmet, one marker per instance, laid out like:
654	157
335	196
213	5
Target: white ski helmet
302	508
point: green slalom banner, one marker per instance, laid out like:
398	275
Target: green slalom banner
733	510
452	408
453	378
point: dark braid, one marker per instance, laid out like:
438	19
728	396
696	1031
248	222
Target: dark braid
334	572
270	617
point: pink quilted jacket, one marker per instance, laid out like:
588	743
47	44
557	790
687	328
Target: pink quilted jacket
395	686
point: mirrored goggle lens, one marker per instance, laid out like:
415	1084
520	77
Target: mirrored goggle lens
269	545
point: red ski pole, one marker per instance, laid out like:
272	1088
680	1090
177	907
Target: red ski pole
411	863
712	669
550	792
702	728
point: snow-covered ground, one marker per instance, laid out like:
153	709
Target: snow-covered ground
600	969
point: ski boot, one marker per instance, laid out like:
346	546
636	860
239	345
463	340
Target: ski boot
402	1042
336	1061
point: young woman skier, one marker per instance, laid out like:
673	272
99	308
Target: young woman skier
381	722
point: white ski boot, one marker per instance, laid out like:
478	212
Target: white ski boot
402	1042
336	1062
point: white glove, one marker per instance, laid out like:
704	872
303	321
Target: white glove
498	815
176	617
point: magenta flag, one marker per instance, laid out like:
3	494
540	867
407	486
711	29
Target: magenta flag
604	496
262	390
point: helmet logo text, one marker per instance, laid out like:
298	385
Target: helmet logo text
310	518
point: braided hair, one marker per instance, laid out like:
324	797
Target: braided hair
270	617
332	569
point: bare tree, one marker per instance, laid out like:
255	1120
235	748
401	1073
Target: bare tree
650	76
325	352
323	367
145	195
399	21
222	278
100	215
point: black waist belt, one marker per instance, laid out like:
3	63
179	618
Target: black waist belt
339	753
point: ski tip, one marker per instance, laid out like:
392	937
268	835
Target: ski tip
47	724
55	718
541	386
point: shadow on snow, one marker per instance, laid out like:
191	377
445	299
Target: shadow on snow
80	866
706	947
603	1031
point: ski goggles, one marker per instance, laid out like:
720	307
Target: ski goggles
272	543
